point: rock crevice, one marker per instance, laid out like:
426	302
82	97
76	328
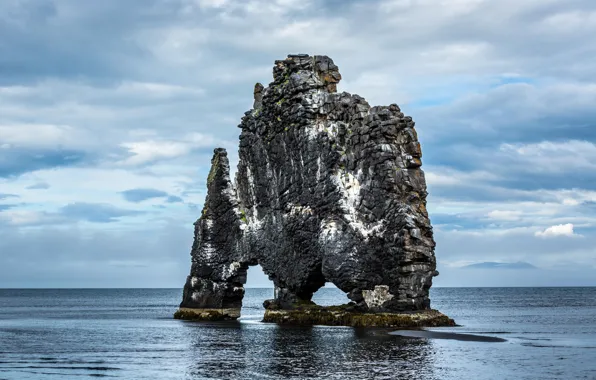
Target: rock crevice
328	189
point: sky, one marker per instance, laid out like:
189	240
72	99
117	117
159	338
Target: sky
110	111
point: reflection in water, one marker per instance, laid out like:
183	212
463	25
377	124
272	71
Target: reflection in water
217	350
267	351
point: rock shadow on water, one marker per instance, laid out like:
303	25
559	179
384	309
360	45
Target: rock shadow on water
426	334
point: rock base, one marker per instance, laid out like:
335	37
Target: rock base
190	314
336	317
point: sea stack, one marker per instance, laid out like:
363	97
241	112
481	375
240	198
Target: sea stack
328	189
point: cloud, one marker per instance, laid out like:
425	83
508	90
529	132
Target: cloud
39	186
174	199
508	141
548	156
97	213
494	265
103	258
14	162
505	215
38	135
149	151
139	195
558	230
18	217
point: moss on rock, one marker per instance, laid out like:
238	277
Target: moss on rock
338	316
214	168
189	314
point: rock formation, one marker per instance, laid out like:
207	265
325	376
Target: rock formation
328	189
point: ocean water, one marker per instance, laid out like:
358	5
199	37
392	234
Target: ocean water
550	333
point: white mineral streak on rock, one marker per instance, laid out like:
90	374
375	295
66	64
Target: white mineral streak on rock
253	222
318	127
328	230
322	127
387	147
231	270
377	297
332	130
207	251
350	186
301	172
318	98
318	176
251	181
300	210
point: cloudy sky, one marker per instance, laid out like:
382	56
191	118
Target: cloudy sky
110	110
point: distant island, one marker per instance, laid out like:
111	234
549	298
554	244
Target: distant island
328	189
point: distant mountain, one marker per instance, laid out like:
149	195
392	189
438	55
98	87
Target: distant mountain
494	265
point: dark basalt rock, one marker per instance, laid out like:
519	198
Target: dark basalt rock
328	189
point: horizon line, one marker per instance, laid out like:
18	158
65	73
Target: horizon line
267	287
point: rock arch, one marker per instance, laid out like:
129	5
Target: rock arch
328	189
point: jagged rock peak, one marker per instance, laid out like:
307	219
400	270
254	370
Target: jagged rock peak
318	71
328	189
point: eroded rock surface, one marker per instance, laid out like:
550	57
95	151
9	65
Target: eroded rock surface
328	189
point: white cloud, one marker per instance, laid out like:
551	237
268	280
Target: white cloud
436	176
147	151
487	232
570	202
20	135
212	3
143	152
548	156
569	22
160	90
22	217
558	230
505	215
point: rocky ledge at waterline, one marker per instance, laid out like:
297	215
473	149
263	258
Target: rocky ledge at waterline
328	189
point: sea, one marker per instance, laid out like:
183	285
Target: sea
545	333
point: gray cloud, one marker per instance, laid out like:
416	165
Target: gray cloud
174	199
57	257
494	265
14	162
139	195
7	196
98	213
39	186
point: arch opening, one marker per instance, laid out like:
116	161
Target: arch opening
257	288
330	295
